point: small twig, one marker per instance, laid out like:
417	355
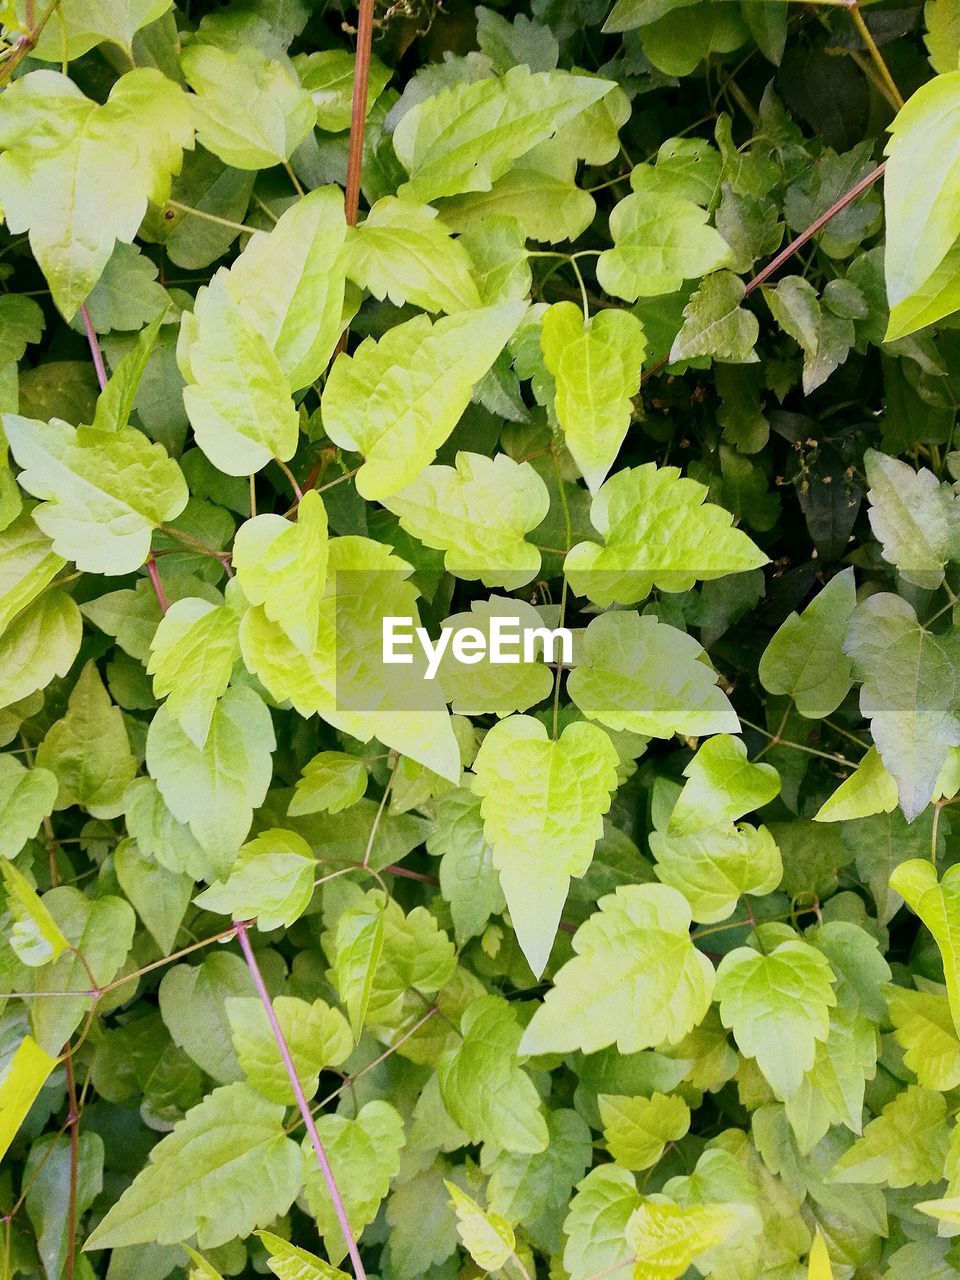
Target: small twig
302	1104
94	346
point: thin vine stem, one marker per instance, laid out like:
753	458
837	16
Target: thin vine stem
73	1123
379	814
892	92
94	344
157	583
302	1105
358	112
210	217
798	746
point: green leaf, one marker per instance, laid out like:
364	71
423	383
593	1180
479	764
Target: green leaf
83	24
24	1075
478	512
423	373
226	1169
536	1189
777	1006
712	867
716	325
193	1002
27	564
403	252
467	136
342	674
35	937
329	783
358	945
549	206
805	658
88	750
833	1089
483	1088
659	241
938	906
721	785
58	1175
104	491
596	365
115	403
271	880
160	896
521	41
824	337
485	687
596	1224
160	836
27	796
910	693
250	110
640	675
468	877
665	1239
127	295
288	284
237	395
215	790
658	530
636	1129
21	323
62	151
283	567
542	803
868	790
364	1154
327	75
192	655
924	1028
916	518
920	224
487	1237
40	643
904	1146
634	953
288	1262
316	1034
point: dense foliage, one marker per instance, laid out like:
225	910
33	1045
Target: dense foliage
617	319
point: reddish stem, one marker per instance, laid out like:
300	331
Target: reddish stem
789	250
302	1104
358	117
158	590
94	346
73	1122
838	205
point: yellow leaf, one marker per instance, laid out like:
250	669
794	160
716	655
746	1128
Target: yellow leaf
23	1080
819	1267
